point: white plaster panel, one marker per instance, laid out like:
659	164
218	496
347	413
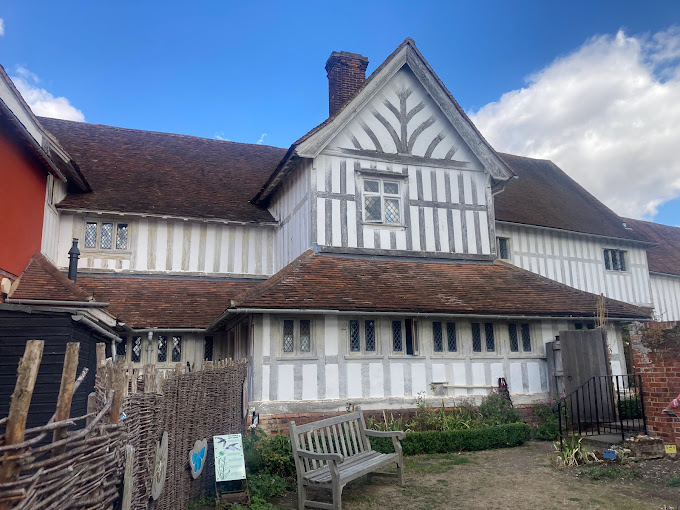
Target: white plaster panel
332	381
496	372
397	378
331	335
354	389
471	235
265	382
534	374
418	379
439	372
266	334
309	382
459	372
286	382
515	381
321	221
376	380
336	229
352	224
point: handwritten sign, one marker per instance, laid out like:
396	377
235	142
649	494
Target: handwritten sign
229	462
671	448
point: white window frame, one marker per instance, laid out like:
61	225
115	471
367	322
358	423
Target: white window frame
381	180
296	338
607	259
362	337
114	236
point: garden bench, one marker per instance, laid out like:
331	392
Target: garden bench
331	453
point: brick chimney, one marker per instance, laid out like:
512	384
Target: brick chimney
346	74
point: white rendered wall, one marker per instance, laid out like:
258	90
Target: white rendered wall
666	294
174	246
577	260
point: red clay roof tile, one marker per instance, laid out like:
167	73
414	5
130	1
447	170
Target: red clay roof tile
42	280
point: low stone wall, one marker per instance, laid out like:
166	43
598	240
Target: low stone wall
656	356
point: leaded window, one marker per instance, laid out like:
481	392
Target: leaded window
162	349
369	335
397	344
504	248
382	201
305	335
354	336
526	338
490	339
288	335
121	348
176	349
512	334
615	260
136	351
437	337
106	235
208	348
476	337
451	340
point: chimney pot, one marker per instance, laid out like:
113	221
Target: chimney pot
346	74
73	256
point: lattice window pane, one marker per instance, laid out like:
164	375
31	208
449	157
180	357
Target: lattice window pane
162	349
208	348
91	235
176	349
622	260
136	353
372	208
526	338
391	188
615	260
503	248
397	344
476	337
392	210
121	236
354	336
490	340
288	343
512	334
372	186
107	236
305	335
451	336
121	348
369	327
437	337
607	260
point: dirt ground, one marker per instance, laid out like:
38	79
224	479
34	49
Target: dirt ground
514	478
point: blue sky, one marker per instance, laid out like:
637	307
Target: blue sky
238	71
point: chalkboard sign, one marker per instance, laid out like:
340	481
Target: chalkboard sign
229	462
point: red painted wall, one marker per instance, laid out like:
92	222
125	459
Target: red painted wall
22	203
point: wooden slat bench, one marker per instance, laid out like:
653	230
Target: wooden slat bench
332	452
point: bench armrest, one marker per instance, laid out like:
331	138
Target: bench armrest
387	433
335	457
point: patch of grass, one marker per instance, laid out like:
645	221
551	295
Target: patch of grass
674	480
434	464
574	499
609	472
594	501
443	482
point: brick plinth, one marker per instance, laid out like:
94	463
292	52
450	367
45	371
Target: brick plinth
657	361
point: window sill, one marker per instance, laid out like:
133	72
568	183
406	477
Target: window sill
480	355
406	356
110	253
615	271
294	357
447	356
383	226
360	356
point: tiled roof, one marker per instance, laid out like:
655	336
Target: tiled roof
665	257
41	280
160	173
164	302
326	282
544	195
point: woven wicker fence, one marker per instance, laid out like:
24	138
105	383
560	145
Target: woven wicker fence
105	460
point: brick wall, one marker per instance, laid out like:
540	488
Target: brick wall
346	74
656	355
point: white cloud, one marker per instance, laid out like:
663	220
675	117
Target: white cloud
261	140
2	27
220	136
607	114
40	100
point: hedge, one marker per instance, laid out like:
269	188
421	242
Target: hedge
485	438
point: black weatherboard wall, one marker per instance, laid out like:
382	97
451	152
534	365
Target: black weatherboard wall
56	330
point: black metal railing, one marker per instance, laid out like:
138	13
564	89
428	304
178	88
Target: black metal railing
605	404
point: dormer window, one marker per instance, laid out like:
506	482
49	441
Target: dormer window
382	201
106	235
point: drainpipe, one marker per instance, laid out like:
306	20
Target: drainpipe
73	256
149	346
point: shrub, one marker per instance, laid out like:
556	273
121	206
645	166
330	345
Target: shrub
548	425
484	438
272	455
496	409
631	409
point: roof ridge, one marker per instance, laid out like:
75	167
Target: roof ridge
165	133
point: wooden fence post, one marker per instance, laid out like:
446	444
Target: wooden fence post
27	373
68	379
119	382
